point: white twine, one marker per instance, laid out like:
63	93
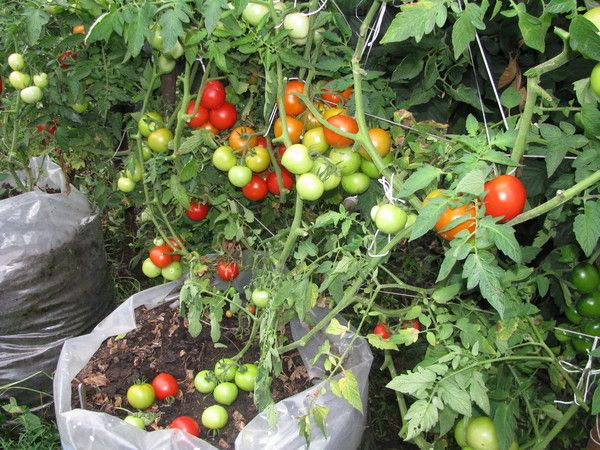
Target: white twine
388	190
374	32
373	244
201	61
588	374
271	119
322	4
406	127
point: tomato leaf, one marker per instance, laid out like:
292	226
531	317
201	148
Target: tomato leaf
421	417
587	227
419	179
533	28
213	9
138	19
416	20
466	26
478	392
347	388
454	396
35	19
506	423
428	216
472	183
561	6
416	383
503	237
584	38
179	192
319	415
446	293
481	269
596	401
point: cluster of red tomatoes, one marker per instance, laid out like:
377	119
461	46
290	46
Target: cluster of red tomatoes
505	198
22	81
217	382
382	329
585	314
214	113
163	260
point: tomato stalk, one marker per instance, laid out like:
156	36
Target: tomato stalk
292	235
277	170
285	137
250	339
550	435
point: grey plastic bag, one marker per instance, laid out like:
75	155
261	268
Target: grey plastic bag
81	429
54	278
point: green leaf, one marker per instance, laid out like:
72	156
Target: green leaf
421	417
347	388
464	29
171	25
466	95
503	237
194	323
138	21
319	415
35	19
428	216
415	383
213	9
103	27
481	269
416	20
532	28
561	6
511	98
335	328
506	423
584	38
455	397
446	293
189	170
587	227
472	183
498	158
179	192
596	401
419	179
376	341
478	392
590	116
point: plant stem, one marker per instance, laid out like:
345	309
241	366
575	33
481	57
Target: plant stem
556	429
249	342
293	234
524	123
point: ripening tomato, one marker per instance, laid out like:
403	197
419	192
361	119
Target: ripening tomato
228	271
66	57
224	116
187	424
165	385
210	128
140	395
223	158
197	211
256	189
292	104
198	119
381	140
452	214
294	128
315	140
213	96
161	255
257	159
382	330
335	97
344	123
309	120
78	29
287	179
505	197
242	138
413	323
330	112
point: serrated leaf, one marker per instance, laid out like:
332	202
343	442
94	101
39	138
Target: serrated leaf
465	27
481	269
455	397
319	414
189	170
446	293
419	179
505	422
415	383
421	417
212	13
472	183
347	388
376	341
335	328
194	323
561	6
498	158
503	237
584	37
35	20
478	392
428	216
533	28
586	227
179	192
416	20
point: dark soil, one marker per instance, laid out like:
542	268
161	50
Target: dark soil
8	191
161	343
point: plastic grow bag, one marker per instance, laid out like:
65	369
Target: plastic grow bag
54	278
82	429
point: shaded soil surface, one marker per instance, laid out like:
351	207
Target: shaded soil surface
161	343
8	191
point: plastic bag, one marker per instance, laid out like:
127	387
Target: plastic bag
54	278
81	429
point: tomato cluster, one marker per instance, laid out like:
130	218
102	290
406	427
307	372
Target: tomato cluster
214	113
584	316
22	81
163	260
382	329
167	58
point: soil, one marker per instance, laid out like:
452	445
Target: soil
8	191
162	343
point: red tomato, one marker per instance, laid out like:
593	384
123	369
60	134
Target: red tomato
201	116
335	97
382	330
261	141
256	189
252	309
413	323
165	385
213	96
228	271
224	116
197	211
292	104
281	150
1	85
505	197
68	54
174	245
294	128
210	127
287	179
187	424
161	256
344	123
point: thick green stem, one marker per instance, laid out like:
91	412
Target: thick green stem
560	198
557	428
249	342
525	123
293	234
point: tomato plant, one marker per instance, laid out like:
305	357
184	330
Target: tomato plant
159	139
140	395
309	186
242	138
294	128
239	176
223	158
135	421
165	385
150	122
161	255
227	271
390	218
297	159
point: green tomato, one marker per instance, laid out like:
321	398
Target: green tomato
254	12
165	64
225	393
223	158
225	369
19	80
80	108
150	269
309	186
368	167
177	51
573	315
245	377
314	140
40	80
260	298
595	79
125	184
31	94
593	15
156	39
347	160
297	25
373	212
205	381
568	254
159	140
135	421
150	122
173	271
589	305
585	277
214	417
141	395
460	431
16	61
390	219
355	183
239	176
327	172
297	159
146	152
562	336
582	344
591	327
481	434
137	171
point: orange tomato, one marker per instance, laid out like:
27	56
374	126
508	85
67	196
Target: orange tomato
309	120
335	97
209	127
292	104
330	112
344	123
452	214
79	29
240	139
381	140
294	128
